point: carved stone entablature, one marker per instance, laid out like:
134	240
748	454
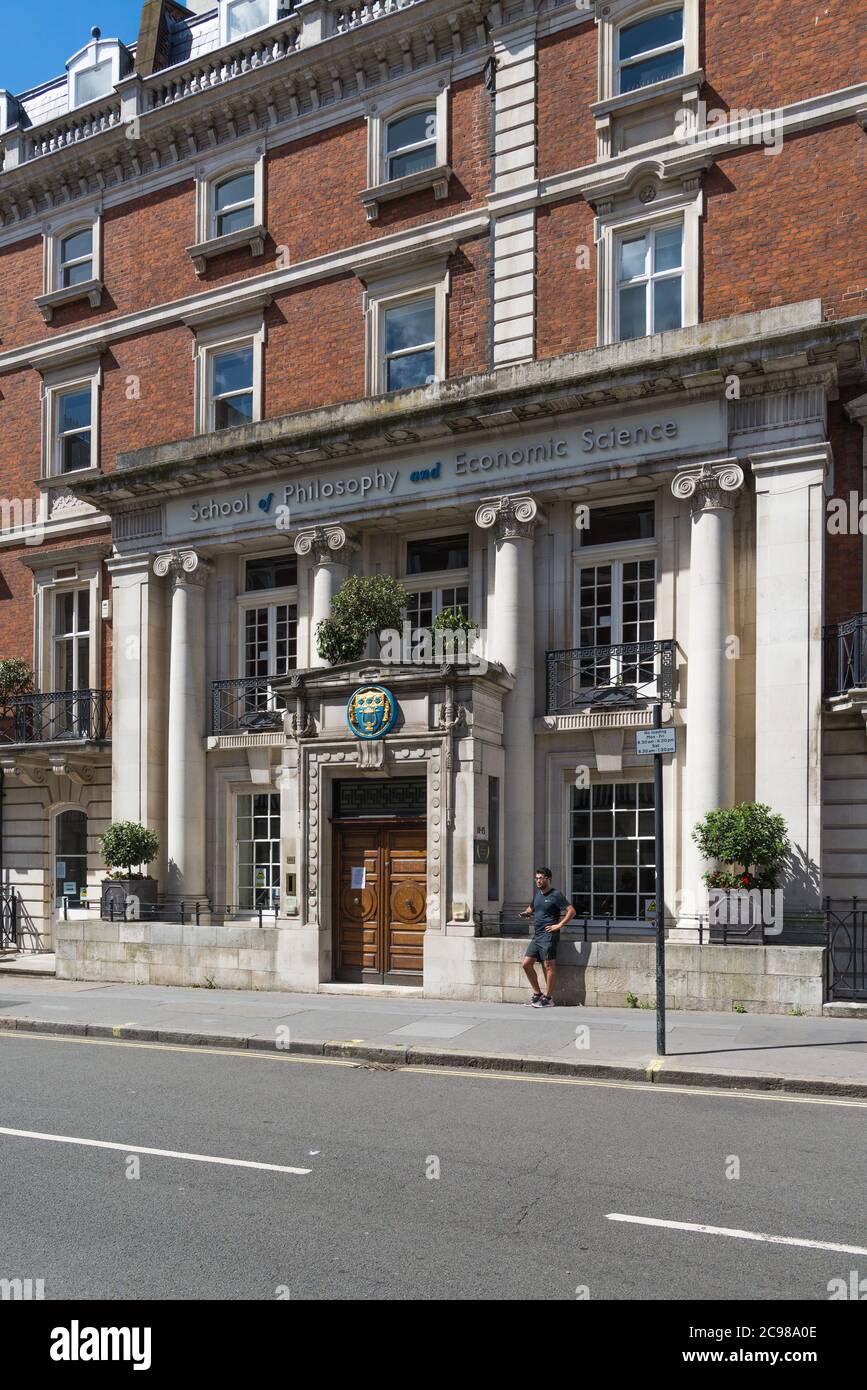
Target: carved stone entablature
710	487
184	567
324	545
510	517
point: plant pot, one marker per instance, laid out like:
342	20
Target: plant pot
115	892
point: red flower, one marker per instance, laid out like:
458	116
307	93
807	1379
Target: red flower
746	880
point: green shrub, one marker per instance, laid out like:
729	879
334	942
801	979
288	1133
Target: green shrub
125	843
750	839
364	604
16	678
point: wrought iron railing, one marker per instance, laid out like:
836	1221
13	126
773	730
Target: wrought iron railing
249	705
509	922
186	912
846	923
846	655
9	913
57	716
623	675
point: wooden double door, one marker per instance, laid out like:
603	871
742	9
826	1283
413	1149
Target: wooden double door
380	926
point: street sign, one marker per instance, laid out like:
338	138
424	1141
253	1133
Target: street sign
655	741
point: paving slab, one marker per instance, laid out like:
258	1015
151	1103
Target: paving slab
782	1052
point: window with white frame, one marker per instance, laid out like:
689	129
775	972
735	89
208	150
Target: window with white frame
411	143
95	70
409	344
229	357
240	17
75	258
437	576
650	281
231	386
616	597
71	641
650	49
258	849
268	629
233	203
73	429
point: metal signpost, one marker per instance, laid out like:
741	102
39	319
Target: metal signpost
658	741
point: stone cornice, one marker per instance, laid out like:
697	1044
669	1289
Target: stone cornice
175	115
652	369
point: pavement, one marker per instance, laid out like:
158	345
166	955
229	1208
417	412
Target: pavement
765	1052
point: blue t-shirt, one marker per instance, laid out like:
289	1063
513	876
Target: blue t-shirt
548	908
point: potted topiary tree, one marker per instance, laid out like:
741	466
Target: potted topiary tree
126	843
363	606
751	846
16	678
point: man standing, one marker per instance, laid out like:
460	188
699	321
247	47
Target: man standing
550	912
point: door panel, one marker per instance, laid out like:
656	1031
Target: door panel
357	910
405	853
379	929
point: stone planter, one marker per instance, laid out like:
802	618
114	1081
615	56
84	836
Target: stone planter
746	912
116	890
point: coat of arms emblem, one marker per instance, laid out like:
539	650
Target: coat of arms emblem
371	712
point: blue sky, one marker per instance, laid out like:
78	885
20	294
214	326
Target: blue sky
38	38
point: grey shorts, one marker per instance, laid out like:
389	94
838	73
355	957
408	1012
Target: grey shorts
543	946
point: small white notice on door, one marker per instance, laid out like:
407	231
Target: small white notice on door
359	878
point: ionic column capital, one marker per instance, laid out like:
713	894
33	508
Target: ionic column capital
511	517
324	543
184	567
710	487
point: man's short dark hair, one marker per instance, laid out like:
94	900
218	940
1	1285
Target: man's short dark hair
546	872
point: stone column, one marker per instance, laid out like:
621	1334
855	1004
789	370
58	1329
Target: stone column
512	643
712	491
328	549
139	657
186	820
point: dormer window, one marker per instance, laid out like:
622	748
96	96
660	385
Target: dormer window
234	203
95	70
411	143
240	17
75	263
93	82
650	50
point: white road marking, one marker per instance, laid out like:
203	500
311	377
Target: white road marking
738	1235
160	1153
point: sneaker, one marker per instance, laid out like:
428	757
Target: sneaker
546	1002
537	1001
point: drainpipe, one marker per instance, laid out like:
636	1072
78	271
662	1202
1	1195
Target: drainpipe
491	89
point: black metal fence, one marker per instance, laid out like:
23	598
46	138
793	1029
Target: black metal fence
55	716
847	948
509	922
189	912
846	655
248	705
9	919
628	673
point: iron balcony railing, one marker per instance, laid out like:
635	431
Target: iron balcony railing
57	716
9	915
846	655
249	705
627	674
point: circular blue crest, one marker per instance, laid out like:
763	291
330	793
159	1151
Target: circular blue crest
371	711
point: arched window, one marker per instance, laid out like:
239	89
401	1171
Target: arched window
70	857
650	50
234	203
411	143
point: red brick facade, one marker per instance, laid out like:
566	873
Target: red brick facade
777	229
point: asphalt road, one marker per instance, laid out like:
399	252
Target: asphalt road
530	1171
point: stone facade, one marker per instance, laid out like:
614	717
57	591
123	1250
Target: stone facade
184	572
